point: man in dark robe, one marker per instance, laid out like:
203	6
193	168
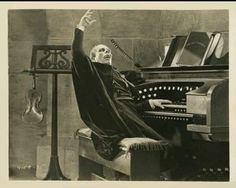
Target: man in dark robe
105	98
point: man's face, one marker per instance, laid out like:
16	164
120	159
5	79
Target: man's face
103	54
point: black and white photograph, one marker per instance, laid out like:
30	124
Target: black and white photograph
119	94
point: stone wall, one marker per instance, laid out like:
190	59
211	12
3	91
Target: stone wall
25	29
142	34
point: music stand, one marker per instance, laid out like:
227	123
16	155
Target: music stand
53	61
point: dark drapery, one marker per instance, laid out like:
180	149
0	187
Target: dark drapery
109	120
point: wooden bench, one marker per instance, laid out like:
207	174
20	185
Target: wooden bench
135	164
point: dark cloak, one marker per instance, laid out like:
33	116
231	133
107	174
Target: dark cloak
109	119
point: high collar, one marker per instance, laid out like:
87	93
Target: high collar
104	66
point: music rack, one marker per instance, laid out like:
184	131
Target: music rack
54	60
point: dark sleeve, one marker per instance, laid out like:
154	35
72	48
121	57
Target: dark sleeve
82	74
77	45
81	61
143	106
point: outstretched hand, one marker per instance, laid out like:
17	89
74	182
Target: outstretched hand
86	19
158	103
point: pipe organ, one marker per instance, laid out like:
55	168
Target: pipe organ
195	78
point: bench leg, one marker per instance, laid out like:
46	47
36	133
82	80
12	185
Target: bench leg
87	167
145	165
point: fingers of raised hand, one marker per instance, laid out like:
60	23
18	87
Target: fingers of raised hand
89	12
88	18
90	21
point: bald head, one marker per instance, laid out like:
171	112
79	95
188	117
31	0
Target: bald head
101	54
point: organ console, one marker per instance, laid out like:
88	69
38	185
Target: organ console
195	78
202	105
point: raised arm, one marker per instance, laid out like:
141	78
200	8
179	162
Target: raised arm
77	46
82	65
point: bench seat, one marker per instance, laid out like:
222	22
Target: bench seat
138	160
